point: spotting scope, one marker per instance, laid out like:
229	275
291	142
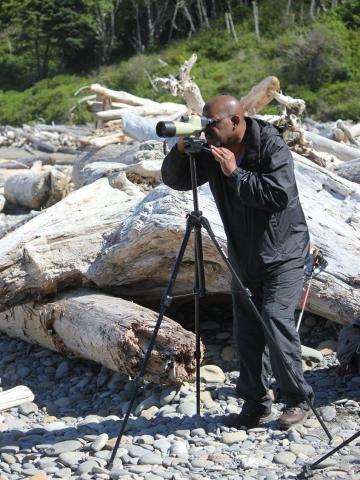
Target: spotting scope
188	125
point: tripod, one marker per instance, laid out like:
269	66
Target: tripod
195	222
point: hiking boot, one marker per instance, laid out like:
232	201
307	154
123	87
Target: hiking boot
248	419
292	416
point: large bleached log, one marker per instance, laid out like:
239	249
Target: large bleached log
332	207
8	223
57	248
349	170
107	330
129	243
167	109
323	144
331	204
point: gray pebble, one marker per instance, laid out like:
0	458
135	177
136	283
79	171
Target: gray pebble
86	467
187	408
285	458
27	408
99	442
150	459
328	413
62	447
62	370
71	459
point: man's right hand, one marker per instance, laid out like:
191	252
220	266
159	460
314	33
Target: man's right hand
180	145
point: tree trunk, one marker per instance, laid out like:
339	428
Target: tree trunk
107	330
256	20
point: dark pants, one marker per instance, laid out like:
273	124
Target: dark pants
276	297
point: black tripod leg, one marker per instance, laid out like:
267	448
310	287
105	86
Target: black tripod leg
164	304
289	367
199	291
334	450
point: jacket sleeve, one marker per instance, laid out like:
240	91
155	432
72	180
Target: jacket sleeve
175	170
269	189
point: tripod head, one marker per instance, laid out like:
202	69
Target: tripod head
195	145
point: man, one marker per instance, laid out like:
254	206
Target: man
251	176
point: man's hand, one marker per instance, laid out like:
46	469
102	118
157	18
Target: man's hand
180	145
226	158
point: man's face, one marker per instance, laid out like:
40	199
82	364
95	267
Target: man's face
220	133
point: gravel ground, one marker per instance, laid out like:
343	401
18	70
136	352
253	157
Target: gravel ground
70	429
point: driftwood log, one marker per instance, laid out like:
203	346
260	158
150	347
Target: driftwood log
37	187
30	190
349	170
323	144
57	248
107	330
15	396
128	241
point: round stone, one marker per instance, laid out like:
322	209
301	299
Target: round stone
71	459
201	463
27	408
285	458
150	459
302	448
228	353
99	442
163	445
62	447
234	437
86	467
212	374
328	413
187	408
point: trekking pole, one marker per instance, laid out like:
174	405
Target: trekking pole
318	264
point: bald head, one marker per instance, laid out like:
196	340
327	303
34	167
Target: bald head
229	127
223	105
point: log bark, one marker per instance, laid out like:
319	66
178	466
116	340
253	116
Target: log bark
349	170
107	330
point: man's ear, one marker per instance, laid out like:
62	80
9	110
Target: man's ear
236	120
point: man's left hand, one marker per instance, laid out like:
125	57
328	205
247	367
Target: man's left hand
226	158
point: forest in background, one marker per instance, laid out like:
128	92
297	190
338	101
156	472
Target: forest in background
51	48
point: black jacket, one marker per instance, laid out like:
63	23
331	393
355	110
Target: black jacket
258	203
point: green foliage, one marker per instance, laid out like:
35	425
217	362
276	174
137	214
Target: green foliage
49	100
316	59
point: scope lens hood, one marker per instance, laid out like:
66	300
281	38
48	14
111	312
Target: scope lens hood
166	129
